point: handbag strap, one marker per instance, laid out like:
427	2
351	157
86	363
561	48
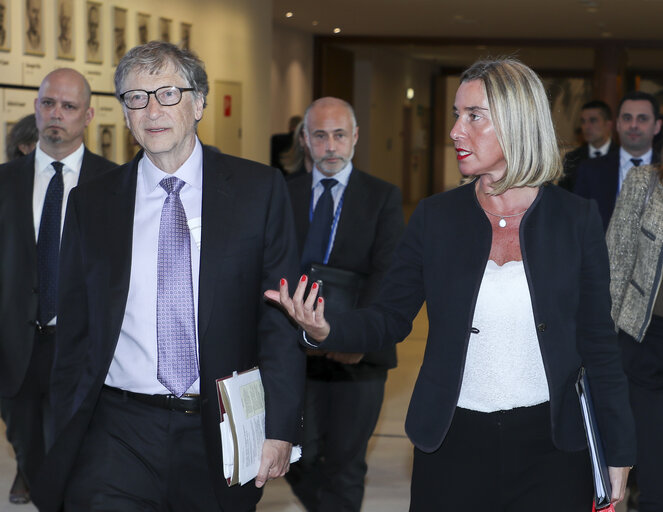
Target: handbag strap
653	178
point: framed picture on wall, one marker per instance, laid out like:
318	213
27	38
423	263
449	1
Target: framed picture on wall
64	29
106	141
164	29
143	25
131	147
93	46
185	35
33	34
5	25
119	34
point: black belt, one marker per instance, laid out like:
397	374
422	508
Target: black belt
187	403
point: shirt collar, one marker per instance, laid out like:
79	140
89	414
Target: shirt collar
342	176
72	162
190	171
603	149
625	158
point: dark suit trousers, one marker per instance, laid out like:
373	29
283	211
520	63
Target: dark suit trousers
139	458
340	415
503	461
28	414
643	364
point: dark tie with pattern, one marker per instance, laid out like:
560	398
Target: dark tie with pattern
319	231
48	245
636	161
177	367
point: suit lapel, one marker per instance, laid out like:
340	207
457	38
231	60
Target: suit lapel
300	197
351	203
217	215
119	226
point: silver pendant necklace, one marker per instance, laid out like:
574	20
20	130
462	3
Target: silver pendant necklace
502	222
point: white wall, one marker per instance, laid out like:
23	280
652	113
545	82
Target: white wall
291	76
232	37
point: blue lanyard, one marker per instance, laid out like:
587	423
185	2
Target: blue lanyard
337	215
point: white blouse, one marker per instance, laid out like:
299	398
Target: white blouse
504	368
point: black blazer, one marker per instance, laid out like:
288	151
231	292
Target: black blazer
598	179
441	260
573	159
248	244
18	264
369	228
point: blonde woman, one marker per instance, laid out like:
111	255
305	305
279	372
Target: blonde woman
514	272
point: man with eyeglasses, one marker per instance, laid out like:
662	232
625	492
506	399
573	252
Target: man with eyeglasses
33	198
165	260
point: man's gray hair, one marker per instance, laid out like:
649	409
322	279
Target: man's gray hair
157	55
330	100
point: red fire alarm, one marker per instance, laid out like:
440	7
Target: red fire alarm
227	105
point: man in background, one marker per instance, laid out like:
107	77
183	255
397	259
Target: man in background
638	122
596	127
350	221
33	196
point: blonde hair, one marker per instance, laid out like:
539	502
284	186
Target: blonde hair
520	112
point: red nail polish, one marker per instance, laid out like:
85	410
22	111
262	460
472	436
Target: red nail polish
314	286
319	300
282	282
303	278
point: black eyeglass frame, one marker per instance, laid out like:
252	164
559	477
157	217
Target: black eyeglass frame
154	92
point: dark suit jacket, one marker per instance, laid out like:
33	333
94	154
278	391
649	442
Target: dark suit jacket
248	244
441	260
18	264
369	228
598	178
573	159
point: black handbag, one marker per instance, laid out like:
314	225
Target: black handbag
338	287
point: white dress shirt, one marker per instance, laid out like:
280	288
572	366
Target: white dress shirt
625	164
134	365
603	150
343	176
71	171
44	171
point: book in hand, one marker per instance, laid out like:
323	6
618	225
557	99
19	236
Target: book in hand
602	487
242	404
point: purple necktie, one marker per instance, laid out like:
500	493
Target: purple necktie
177	367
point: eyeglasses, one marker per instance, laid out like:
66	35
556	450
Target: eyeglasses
166	96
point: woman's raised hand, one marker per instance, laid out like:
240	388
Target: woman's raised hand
309	313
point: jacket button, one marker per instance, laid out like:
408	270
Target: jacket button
35	290
541	327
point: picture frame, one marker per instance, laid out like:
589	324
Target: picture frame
165	25
119	42
64	30
33	30
5	25
185	35
142	28
93	32
106	141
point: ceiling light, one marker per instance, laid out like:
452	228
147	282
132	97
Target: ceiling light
337	30
409	94
289	14
314	23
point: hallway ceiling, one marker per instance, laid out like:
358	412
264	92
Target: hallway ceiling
478	19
